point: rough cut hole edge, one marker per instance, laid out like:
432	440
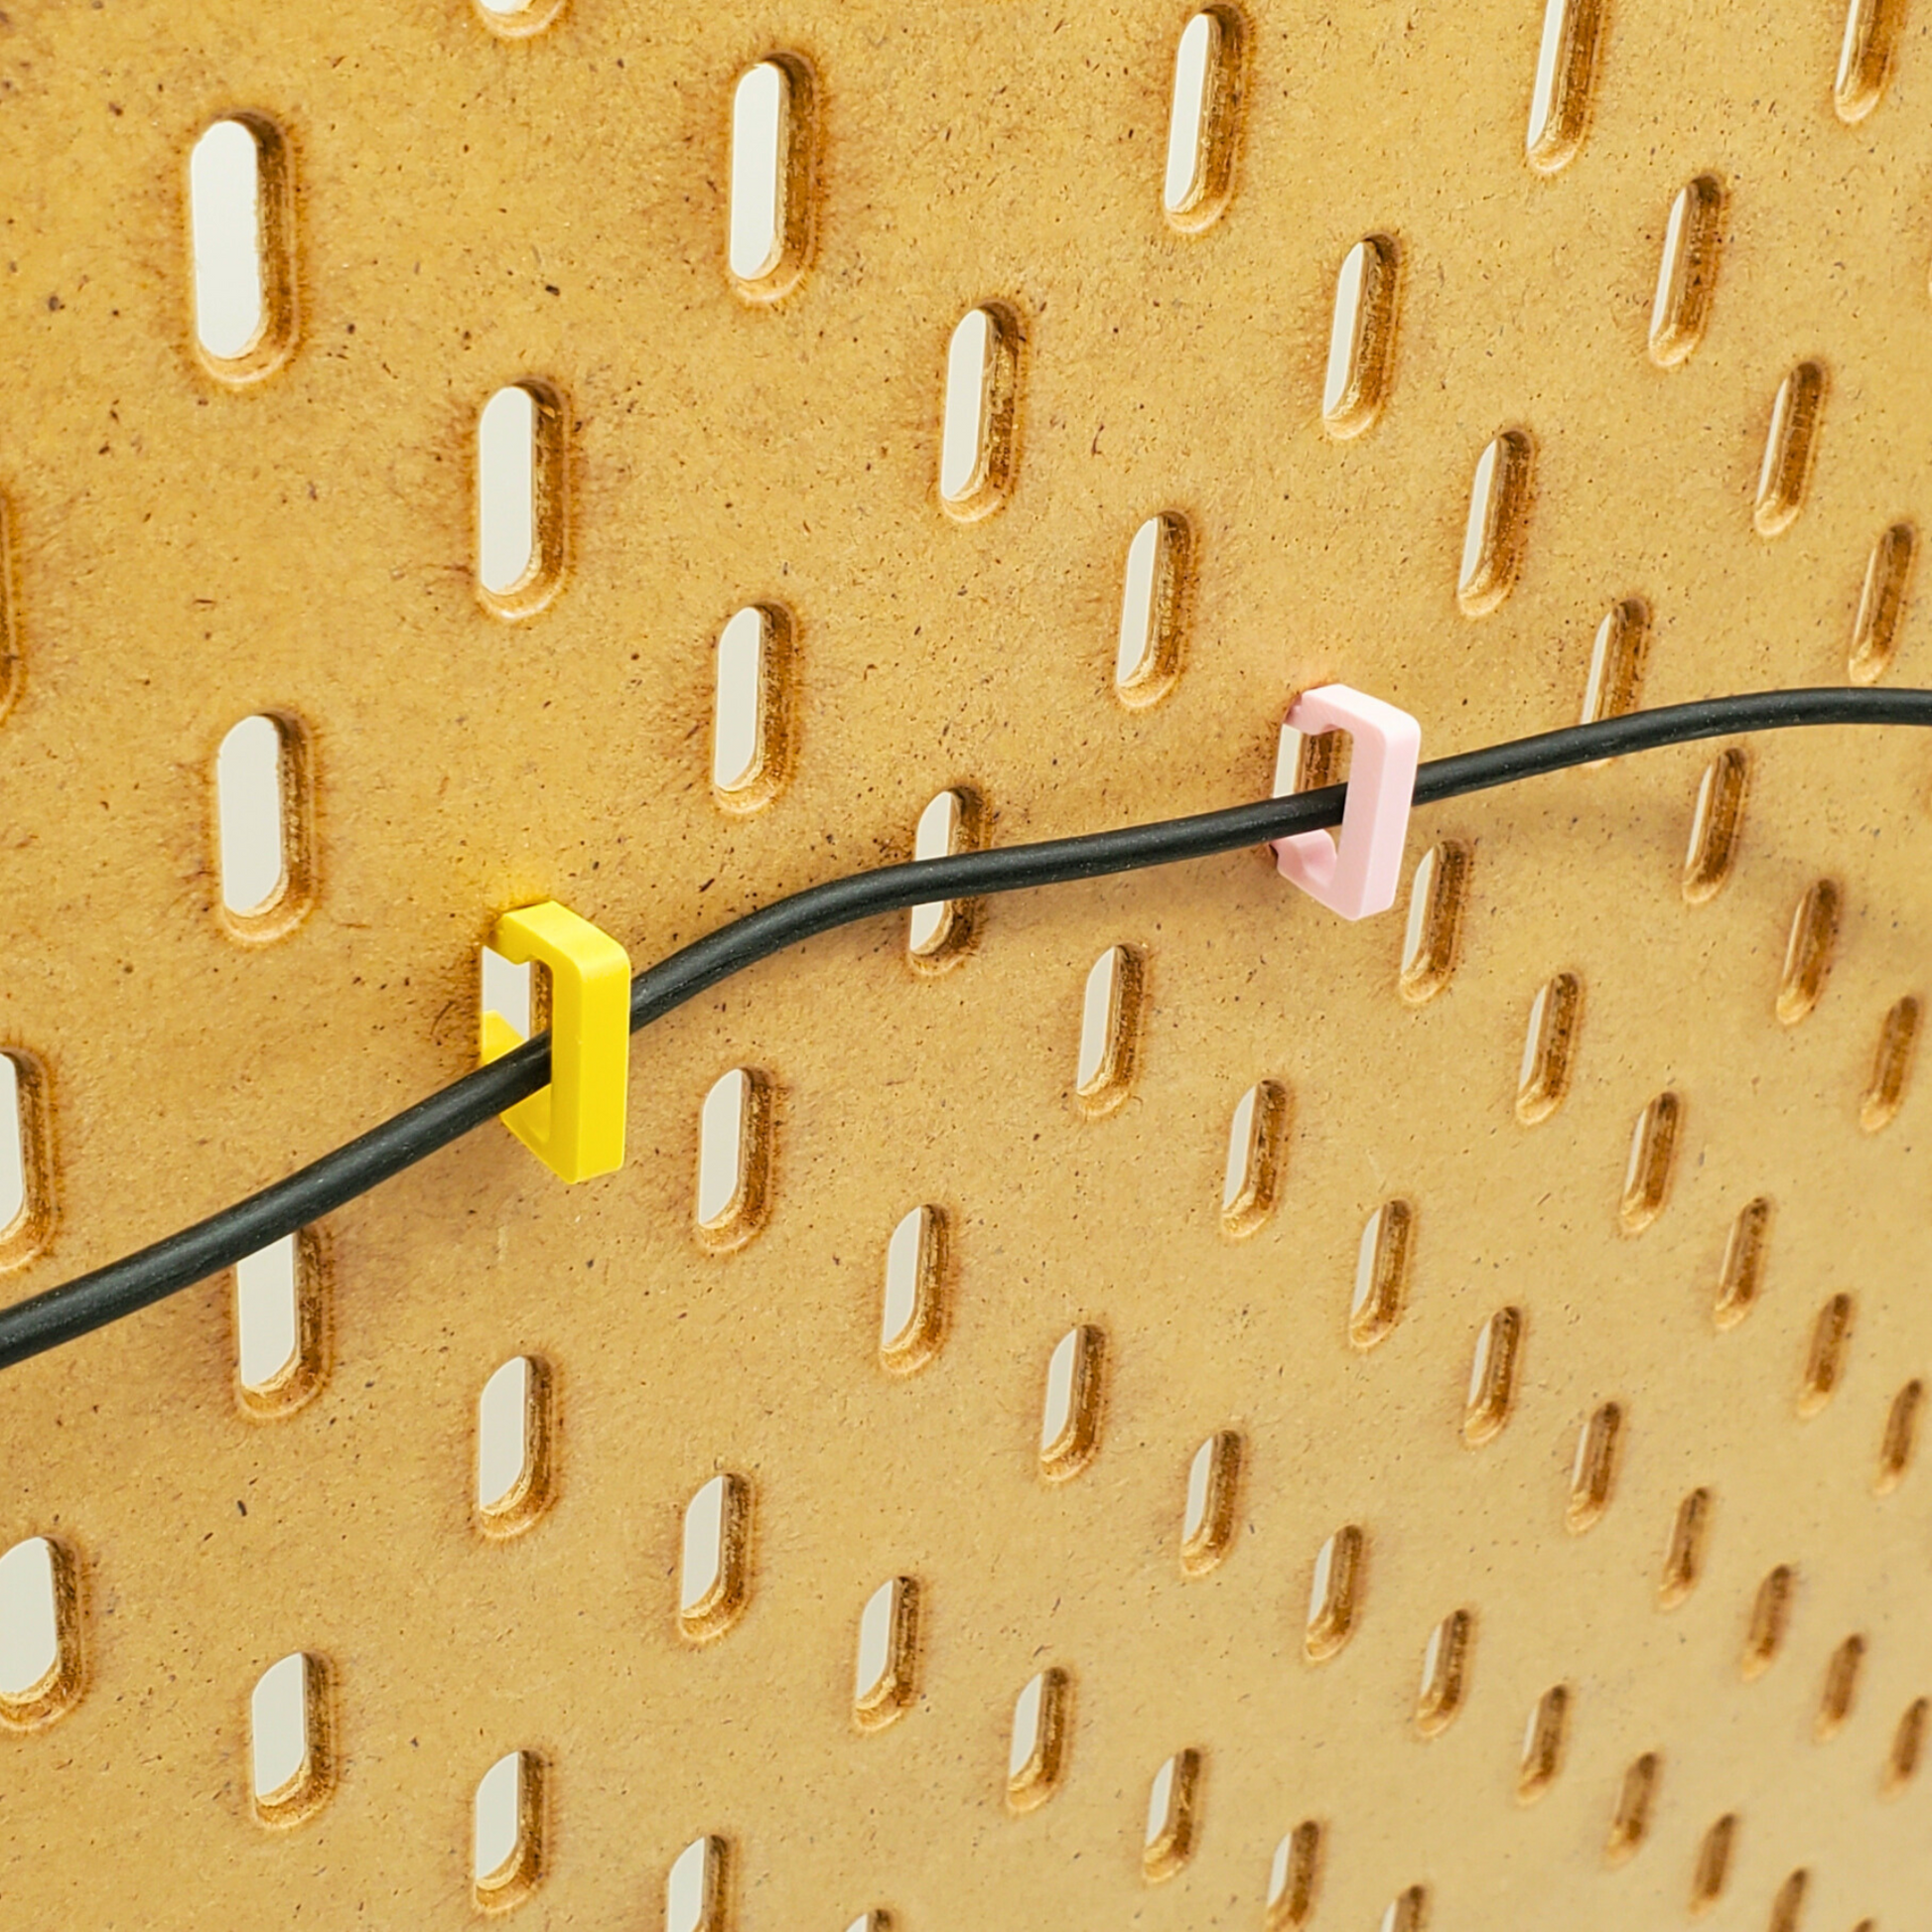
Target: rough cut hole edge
508	1886
529	1497
276	340
295	899
306	1373
65	1682
31	1232
800	185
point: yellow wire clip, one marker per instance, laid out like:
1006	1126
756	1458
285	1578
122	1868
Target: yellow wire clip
575	1126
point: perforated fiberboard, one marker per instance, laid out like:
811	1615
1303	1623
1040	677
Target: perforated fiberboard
471	210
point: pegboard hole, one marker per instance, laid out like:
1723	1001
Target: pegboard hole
883	1683
519	994
1907	1748
1630	1820
1717	824
1881	603
1173	1817
1617	664
518	19
1036	1753
1786	468
1492	537
26	1165
1593	1476
976	445
714	1569
1808	951
1713	1868
1444	1673
1154	593
1840	1688
1110	1019
1213	1485
773	137
1202	119
734	1158
1492	1377
1652	1160
262	831
1251	1180
506	1831
1865	56
1560	97
1432	937
39	1633
1900	1439
279	1308
1892	1066
1069	1421
1687	276
751	711
520	499
1381	1274
242	243
1549	1048
1831	1340
911	1318
1361	338
513	1446
1543	1740
1293	1878
288	1736
1334	1594
1683	1556
1770	1618
695	1890
939	933
1742	1274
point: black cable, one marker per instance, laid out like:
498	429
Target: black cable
94	1299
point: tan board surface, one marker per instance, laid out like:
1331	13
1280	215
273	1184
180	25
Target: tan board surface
471	210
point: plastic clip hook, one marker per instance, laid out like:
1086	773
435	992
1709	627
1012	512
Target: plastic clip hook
575	1126
1357	874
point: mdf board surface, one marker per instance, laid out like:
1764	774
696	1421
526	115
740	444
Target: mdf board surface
468	209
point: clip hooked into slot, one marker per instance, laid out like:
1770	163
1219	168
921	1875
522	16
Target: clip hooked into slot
575	1125
1356	874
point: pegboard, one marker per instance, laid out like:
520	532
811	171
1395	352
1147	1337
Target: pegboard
1671	1544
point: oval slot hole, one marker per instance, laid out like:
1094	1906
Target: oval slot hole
1146	657
1201	121
1251	1181
761	105
1564	68
1035	1756
912	1314
751	708
883	1679
976	438
520	499
38	1636
288	1740
938	931
1333	1594
258	810
1360	336
694	1888
512	1446
1292	1879
505	1842
712	1572
1171	1822
1207	1527
278	1325
1109	1023
1492	538
237	188
734	1158
1069	1425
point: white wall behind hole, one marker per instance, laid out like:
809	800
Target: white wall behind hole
507	490
1137	614
1098	1010
29	1631
704	1545
498	1819
506	990
249	808
1186	118
757	192
963	446
278	1726
1159	1802
720	1146
1201	1477
268	1312
937	837
1028	1709
1241	1136
502	1431
688	1888
1056	1417
223	182
736	750
903	1254
874	1659
13	1164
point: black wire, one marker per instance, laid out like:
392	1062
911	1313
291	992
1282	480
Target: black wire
106	1295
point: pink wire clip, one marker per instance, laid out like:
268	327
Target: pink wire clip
1356	876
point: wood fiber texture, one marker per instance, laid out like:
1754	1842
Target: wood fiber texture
472	209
